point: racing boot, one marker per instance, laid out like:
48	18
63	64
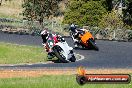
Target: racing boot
50	56
76	44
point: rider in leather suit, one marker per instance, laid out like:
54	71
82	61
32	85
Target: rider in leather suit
75	34
45	34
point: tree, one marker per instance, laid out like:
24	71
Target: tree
111	20
128	13
40	9
84	12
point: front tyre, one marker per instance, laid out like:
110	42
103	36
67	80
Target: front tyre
92	43
57	50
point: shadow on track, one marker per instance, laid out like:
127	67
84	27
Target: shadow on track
55	61
85	49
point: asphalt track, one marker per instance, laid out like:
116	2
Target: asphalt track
111	54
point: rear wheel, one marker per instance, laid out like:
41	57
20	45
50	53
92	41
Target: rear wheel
58	53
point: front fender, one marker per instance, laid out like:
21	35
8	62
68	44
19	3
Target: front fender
65	48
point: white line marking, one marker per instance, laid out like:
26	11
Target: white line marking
81	57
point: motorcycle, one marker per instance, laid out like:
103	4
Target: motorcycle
60	49
85	40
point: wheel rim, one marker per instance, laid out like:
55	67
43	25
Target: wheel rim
61	52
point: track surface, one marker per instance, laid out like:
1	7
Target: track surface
112	54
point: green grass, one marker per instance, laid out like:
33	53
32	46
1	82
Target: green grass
13	54
53	82
11	9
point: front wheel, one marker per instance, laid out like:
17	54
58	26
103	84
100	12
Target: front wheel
92	43
57	50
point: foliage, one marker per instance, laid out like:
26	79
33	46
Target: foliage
40	9
1	1
111	20
11	9
83	12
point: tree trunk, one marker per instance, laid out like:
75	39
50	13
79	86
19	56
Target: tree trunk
41	22
0	2
109	4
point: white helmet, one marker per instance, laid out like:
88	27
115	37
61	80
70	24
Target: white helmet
44	32
72	25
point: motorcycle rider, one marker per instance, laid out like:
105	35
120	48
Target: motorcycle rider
45	34
76	32
72	28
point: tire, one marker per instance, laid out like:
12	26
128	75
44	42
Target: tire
92	43
73	59
57	54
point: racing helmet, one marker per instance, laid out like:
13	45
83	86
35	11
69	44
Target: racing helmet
44	32
72	28
72	25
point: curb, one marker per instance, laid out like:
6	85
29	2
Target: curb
33	34
114	40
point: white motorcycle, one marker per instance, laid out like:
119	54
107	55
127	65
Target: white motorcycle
61	50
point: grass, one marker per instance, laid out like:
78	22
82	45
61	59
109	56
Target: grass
53	81
14	54
11	9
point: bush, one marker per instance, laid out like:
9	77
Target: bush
111	20
83	12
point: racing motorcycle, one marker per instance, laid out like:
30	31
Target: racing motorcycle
60	49
85	40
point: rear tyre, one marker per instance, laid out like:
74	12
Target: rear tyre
57	50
